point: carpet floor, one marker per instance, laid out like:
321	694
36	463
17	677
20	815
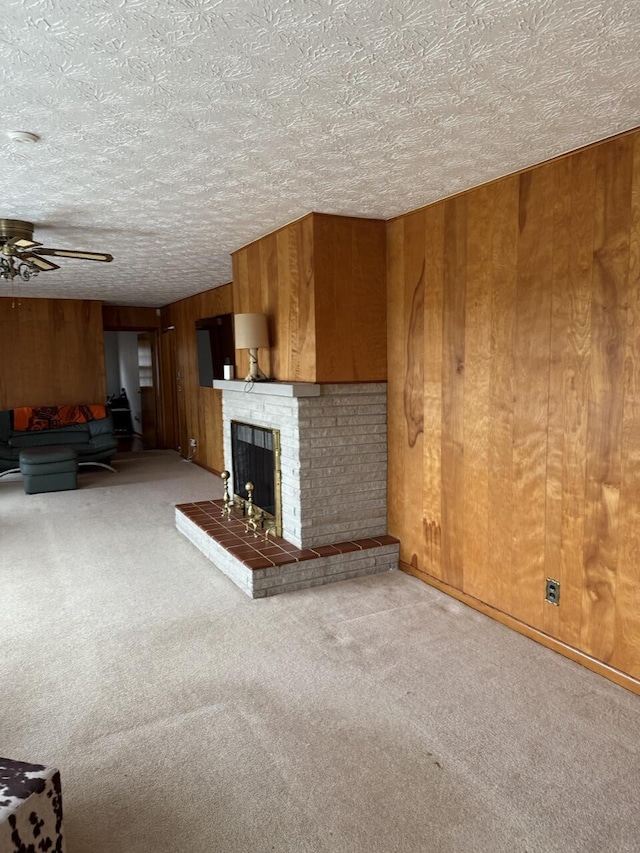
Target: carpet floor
370	715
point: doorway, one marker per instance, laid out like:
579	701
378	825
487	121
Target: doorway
130	362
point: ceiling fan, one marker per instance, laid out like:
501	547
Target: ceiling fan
21	257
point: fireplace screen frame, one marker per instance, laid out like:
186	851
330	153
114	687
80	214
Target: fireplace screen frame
272	523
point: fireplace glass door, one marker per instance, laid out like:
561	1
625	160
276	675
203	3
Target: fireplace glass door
255	455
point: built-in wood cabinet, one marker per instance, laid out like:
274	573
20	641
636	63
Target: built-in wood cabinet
322	282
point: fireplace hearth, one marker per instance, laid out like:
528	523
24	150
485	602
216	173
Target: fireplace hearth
333	464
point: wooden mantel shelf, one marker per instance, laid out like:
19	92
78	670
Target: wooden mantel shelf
269	388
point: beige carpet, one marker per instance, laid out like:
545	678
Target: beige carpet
372	715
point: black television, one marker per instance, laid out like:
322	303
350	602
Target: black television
215	345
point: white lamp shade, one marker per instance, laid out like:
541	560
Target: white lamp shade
251	331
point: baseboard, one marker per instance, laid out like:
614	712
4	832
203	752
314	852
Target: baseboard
206	467
615	675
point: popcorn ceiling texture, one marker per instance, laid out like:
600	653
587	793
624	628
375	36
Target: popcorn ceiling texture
176	131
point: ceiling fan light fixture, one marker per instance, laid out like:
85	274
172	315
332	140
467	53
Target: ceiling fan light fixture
21	257
22	136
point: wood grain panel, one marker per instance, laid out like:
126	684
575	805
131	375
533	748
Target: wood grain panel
321	281
626	653
51	352
397	494
606	395
432	397
569	390
412	543
269	296
123	318
477	378
199	408
303	331
350	299
281	305
169	435
531	388
498	583
275	276
453	366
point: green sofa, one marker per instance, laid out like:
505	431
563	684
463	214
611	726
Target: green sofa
93	441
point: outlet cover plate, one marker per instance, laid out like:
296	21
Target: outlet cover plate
552	592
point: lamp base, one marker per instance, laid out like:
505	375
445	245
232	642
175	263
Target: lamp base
254	374
256	377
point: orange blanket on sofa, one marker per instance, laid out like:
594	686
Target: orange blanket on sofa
53	417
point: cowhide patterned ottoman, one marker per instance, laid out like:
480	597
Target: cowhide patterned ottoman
30	808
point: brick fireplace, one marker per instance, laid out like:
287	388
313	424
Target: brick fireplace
333	488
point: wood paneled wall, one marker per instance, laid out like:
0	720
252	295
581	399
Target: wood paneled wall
321	281
123	318
274	276
51	352
514	396
199	409
350	299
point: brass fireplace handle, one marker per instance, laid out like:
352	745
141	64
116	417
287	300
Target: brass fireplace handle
250	510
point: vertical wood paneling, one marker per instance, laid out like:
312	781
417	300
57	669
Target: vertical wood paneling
269	295
397	494
279	304
302	314
606	394
412	543
453	366
275	276
531	388
560	326
199	409
569	389
122	318
477	377
626	654
350	297
321	281
503	207
529	414
169	416
432	419
51	352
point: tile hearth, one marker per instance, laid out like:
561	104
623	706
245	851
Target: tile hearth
263	567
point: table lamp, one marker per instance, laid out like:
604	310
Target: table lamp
251	333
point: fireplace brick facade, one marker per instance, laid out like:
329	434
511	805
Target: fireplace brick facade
334	458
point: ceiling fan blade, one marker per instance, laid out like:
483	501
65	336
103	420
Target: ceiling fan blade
70	253
23	243
36	261
20	243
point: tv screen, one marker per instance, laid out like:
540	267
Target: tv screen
215	345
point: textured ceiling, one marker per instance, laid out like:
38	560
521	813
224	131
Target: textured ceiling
175	131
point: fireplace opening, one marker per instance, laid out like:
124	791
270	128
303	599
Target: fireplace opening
255	456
